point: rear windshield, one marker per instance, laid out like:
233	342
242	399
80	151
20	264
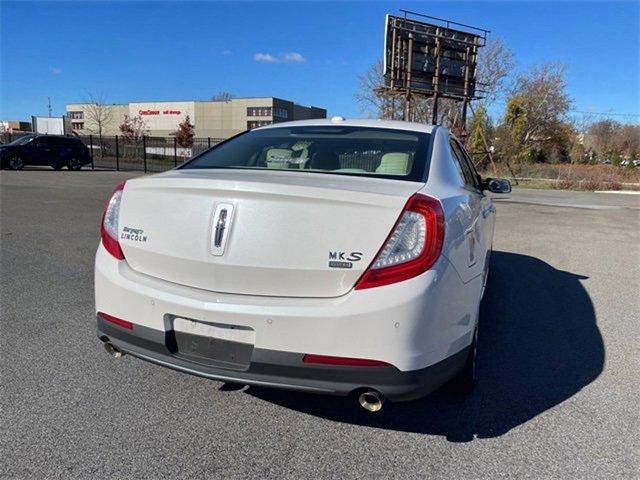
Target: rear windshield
372	152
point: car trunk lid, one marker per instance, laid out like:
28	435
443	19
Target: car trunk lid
286	233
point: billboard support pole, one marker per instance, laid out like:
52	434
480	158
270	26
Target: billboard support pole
467	78
465	104
398	74
393	57
407	102
436	81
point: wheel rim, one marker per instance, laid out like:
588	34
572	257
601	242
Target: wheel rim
16	163
74	164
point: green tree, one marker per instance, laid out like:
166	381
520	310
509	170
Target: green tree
515	116
480	135
511	131
479	130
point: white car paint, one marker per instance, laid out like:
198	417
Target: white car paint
272	278
348	214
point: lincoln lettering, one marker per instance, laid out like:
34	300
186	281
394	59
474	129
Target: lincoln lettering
135	234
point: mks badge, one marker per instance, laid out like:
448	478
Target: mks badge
343	259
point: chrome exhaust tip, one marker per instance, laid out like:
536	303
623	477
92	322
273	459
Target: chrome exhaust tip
112	350
371	400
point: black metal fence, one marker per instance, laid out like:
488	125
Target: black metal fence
146	154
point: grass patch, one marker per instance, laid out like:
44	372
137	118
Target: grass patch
572	177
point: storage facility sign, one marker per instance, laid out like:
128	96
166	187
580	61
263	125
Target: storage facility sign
163	116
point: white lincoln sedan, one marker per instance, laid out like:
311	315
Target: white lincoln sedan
344	257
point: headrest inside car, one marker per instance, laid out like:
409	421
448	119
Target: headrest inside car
394	163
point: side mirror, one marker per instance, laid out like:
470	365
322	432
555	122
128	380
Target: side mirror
497	185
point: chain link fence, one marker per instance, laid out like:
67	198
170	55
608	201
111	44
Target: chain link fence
145	154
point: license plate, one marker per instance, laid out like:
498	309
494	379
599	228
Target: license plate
231	333
214	344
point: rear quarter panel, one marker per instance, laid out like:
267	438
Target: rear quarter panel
445	184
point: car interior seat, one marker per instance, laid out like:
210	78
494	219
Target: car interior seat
278	157
301	154
394	163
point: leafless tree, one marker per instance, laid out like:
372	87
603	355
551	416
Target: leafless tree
376	101
612	140
222	97
98	114
536	126
132	131
495	64
545	99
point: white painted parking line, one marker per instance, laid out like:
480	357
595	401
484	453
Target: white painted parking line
623	192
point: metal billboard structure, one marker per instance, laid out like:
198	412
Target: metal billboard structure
431	60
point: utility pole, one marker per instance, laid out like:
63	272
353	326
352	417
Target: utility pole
49	105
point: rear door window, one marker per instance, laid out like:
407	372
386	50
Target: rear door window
343	150
461	164
45	141
472	168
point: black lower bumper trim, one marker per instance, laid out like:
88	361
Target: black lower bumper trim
285	370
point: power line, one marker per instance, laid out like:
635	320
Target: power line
607	114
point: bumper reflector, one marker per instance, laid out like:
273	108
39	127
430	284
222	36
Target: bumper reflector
117	321
346	361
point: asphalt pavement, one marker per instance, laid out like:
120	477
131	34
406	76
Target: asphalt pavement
558	365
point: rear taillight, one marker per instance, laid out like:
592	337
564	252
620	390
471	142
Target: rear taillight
115	320
413	246
109	226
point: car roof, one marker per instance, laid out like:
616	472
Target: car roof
65	137
356	122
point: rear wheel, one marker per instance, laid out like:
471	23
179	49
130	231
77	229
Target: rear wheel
74	164
16	163
465	381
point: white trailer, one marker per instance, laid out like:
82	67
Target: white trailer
48	125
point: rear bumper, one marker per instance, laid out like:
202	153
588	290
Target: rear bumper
422	327
286	370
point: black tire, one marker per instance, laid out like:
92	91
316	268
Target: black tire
57	166
15	163
465	381
74	164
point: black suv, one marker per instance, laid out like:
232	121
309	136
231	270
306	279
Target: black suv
53	150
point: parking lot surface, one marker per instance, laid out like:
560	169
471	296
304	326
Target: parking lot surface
557	393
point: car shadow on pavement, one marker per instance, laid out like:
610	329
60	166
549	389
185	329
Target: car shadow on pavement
538	346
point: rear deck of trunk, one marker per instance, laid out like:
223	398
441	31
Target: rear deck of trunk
291	234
